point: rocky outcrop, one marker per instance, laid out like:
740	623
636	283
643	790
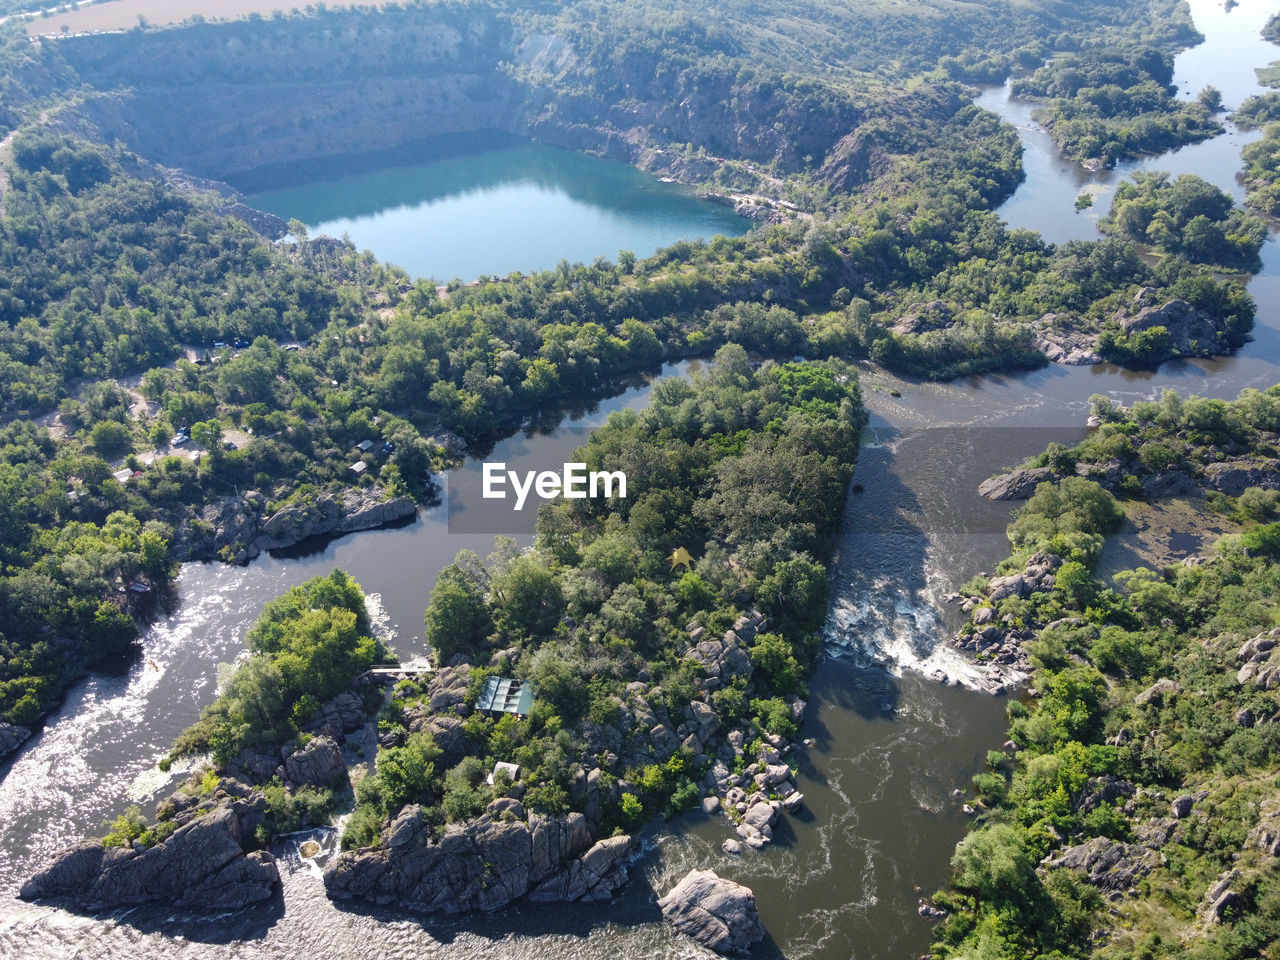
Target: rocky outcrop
1103	790
1168	483
318	764
202	865
354	510
1265	835
342	715
1014	485
726	657
718	913
1069	348
1234	476
1192	332
997	641
1222	903
1111	866
240	528
1261	661
482	865
923	317
1159	692
593	876
12	737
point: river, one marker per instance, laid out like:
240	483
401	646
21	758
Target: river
890	745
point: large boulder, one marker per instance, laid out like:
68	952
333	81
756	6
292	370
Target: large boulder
1014	485
718	913
200	866
318	764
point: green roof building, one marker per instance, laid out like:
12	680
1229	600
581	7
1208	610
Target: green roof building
505	695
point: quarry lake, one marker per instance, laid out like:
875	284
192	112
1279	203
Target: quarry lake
494	210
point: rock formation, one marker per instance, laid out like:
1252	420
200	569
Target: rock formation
1111	866
482	865
1015	485
202	865
241	527
1261	661
718	913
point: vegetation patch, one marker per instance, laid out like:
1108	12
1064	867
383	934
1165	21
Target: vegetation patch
1135	817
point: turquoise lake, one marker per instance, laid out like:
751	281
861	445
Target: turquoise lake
520	207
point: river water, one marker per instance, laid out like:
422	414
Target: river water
890	744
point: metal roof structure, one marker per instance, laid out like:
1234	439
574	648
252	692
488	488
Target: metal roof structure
505	695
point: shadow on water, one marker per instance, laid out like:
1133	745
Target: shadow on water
284	174
249	923
633	908
316	545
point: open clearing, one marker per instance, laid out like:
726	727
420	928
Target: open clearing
115	15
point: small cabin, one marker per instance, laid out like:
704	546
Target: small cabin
505	695
512	770
364	446
358	468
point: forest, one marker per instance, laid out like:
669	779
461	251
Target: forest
1150	740
746	470
1187	216
1118	103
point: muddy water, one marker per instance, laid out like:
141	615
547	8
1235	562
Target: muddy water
889	744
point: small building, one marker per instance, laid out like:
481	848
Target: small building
505	695
512	770
123	475
358	467
364	446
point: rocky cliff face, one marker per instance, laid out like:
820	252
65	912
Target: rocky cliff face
244	526
202	865
223	99
230	100
483	865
